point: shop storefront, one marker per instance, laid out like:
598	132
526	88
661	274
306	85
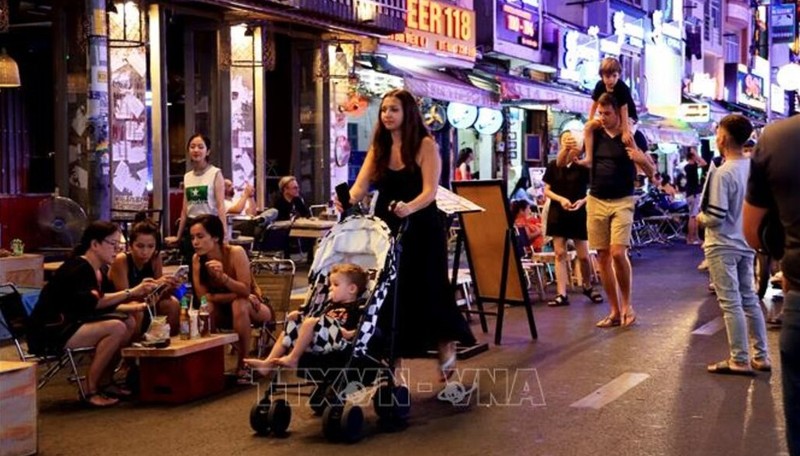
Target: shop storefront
438	36
142	77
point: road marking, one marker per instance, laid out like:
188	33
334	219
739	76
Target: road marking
611	391
710	328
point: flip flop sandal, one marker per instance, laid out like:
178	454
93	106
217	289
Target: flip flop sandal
244	377
88	400
628	319
560	300
724	367
608	322
117	392
593	295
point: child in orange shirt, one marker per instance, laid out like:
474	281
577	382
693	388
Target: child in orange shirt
524	218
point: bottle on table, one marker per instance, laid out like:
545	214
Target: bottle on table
185	327
205	318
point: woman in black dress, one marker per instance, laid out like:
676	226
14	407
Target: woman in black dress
566	183
73	308
404	165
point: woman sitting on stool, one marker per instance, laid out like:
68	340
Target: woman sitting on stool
221	273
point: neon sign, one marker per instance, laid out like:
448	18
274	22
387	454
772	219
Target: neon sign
518	22
628	30
581	60
438	27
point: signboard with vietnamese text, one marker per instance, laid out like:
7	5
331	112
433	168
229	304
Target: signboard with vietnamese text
694	112
518	22
438	27
783	22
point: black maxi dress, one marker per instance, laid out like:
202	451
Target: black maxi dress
427	313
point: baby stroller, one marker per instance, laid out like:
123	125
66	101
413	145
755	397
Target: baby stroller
367	242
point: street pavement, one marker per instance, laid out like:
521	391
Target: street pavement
577	390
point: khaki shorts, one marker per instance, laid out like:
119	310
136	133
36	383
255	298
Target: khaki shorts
609	222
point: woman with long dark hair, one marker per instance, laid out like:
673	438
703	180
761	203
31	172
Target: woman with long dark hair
203	191
404	165
129	269
221	273
463	169
73	309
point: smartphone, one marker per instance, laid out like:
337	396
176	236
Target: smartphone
343	194
182	273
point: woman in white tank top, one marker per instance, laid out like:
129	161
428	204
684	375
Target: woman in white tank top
203	189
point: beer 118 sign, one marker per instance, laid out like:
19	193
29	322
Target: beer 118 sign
439	28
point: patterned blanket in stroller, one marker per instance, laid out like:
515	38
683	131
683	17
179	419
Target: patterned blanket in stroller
367	242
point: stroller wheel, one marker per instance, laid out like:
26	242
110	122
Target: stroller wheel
352	423
331	423
280	415
259	417
392	403
343	423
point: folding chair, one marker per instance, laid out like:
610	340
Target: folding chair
15	319
531	267
275	278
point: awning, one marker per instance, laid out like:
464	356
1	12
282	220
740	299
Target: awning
424	82
516	91
669	131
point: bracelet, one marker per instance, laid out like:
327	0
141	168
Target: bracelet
128	293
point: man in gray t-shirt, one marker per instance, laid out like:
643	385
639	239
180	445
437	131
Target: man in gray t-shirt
730	258
775	183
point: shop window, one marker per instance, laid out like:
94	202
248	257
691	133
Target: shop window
712	21
732	48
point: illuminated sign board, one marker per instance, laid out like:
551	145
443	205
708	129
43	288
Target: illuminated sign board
694	112
628	29
438	28
580	60
745	87
666	32
518	22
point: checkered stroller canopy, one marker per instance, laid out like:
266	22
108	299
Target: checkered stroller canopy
364	240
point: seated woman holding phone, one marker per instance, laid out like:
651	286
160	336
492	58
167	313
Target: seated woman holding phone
143	261
76	309
221	274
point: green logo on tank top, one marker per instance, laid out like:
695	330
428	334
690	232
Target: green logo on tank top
197	195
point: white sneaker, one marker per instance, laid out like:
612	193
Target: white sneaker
703	266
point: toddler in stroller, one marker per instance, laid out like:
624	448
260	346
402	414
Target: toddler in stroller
332	331
334	340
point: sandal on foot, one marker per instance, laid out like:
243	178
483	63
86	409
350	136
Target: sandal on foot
448	368
628	318
593	295
244	377
99	400
560	300
729	368
608	322
761	364
116	391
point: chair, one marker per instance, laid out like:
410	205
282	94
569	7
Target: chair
531	267
15	322
275	278
273	240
